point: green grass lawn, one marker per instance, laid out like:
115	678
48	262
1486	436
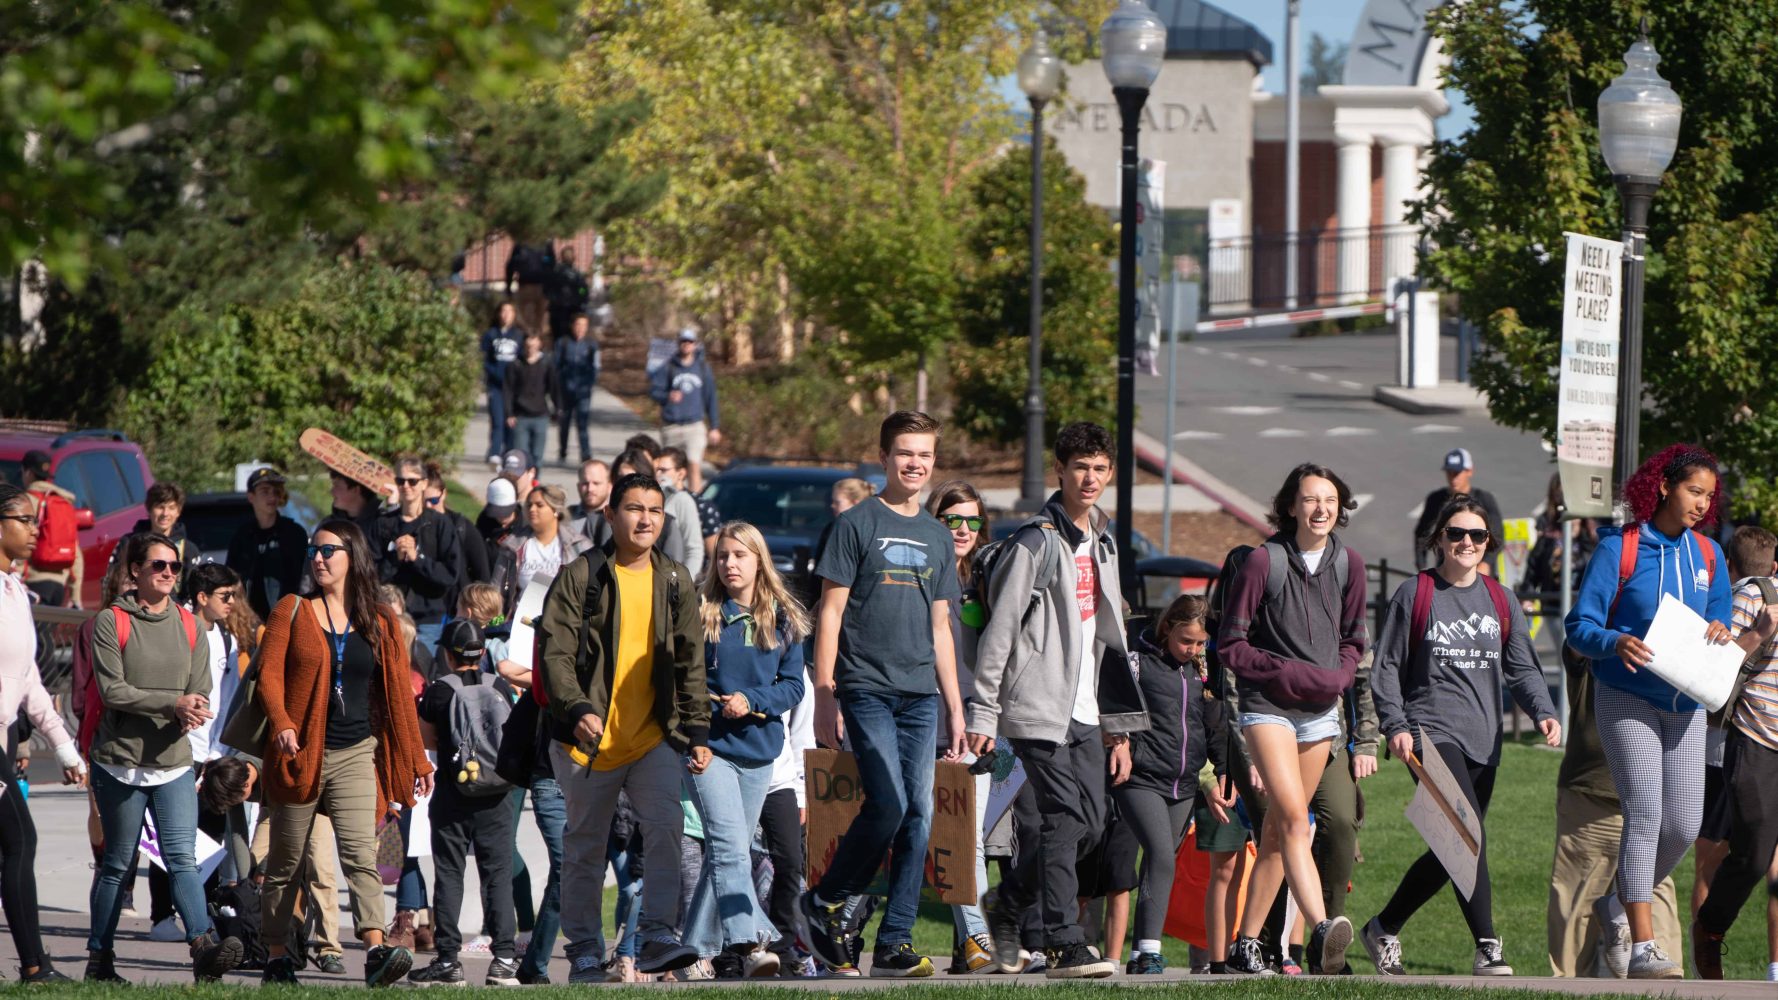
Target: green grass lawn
979	989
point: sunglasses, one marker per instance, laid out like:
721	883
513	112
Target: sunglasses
405	481
955	521
1478	536
225	596
326	552
166	566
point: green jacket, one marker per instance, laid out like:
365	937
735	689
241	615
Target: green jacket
577	686
140	684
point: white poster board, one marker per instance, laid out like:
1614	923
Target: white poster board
524	623
1586	402
1702	670
1441	812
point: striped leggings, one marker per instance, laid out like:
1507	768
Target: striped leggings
1657	760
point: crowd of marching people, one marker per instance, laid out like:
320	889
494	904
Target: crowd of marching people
300	702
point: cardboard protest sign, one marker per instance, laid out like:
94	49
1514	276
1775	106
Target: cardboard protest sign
835	797
521	646
348	461
1441	812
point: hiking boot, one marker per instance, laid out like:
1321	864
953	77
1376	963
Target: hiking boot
1706	952
664	954
825	933
425	940
1652	963
1077	961
1147	963
1488	960
440	972
585	970
330	963
101	967
1383	948
502	972
727	965
46	975
213	957
1614	938
280	971
899	961
1327	946
974	956
1247	959
401	933
384	965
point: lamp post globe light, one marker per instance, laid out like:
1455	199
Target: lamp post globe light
1132	43
1638	132
1040	76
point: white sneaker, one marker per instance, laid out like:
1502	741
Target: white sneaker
1614	939
166	930
1384	949
759	963
1652	963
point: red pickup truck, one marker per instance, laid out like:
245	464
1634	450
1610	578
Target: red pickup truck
106	472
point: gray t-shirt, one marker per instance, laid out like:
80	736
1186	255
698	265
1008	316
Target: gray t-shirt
896	568
1451	683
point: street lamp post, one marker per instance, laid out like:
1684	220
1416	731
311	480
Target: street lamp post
1132	43
1638	133
1040	74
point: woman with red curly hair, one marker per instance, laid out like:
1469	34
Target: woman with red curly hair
1652	734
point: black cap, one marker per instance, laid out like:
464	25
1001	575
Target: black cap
266	474
37	463
464	640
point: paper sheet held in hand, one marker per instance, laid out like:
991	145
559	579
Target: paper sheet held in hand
1702	670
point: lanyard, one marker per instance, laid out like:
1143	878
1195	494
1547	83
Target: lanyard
339	653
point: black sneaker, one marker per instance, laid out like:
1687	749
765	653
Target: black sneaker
1077	961
728	965
663	954
502	972
440	972
280	971
1147	963
533	978
1327	947
825	933
899	961
46	975
330	963
1247	959
384	965
213	957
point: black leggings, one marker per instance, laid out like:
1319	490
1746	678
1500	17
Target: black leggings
1427	875
783	829
1160	829
18	861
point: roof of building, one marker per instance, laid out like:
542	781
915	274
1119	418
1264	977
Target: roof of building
1195	28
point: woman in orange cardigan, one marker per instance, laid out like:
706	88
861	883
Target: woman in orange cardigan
343	738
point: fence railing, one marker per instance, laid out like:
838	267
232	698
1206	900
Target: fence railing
1333	266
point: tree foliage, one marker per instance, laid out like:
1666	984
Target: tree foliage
1502	194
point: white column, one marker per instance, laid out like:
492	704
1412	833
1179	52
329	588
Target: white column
1401	184
1355	217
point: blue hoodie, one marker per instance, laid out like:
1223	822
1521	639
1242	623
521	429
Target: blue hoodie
772	680
1664	565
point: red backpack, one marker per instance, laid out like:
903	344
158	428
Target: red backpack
58	536
84	693
1421	617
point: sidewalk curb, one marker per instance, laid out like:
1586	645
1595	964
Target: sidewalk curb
1446	397
1152	454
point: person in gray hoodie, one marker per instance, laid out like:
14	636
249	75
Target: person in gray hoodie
1055	637
1293	632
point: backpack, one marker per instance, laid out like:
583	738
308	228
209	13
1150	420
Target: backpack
1626	566
1725	716
1232	564
58	536
987	560
1421	617
235	911
478	717
83	694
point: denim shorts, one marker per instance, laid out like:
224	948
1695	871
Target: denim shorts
1314	729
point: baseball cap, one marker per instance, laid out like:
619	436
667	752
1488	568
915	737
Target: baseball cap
514	462
38	463
1458	460
503	498
464	639
264	475
688	333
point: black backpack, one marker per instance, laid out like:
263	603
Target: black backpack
987	559
234	909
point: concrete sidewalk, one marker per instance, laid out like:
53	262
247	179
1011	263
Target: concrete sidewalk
612	424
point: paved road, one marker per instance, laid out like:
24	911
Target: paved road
1252	405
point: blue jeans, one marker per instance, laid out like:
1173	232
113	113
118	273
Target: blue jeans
429	634
968	918
725	908
499	435
121	809
551	816
627	914
532	435
410	892
895	741
576	410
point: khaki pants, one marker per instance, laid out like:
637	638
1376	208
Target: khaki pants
1587	833
319	877
348	797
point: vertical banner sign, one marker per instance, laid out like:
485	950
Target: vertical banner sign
1586	408
1151	178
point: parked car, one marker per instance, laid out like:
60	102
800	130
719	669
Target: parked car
789	504
108	475
211	520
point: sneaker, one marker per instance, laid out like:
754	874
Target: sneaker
1289	966
166	930
439	972
384	965
1383	948
825	933
1246	958
664	954
481	944
974	956
1488	960
533	978
502	972
330	963
1614	939
1327	946
1005	927
760	963
401	933
727	965
586	970
1035	962
1077	961
280	971
101	967
1652	963
1706	952
213	957
899	961
1147	963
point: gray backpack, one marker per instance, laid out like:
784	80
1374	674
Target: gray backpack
478	714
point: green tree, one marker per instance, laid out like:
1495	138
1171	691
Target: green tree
1503	192
989	368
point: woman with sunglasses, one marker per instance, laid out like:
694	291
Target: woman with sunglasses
152	669
1448	637
344	740
959	508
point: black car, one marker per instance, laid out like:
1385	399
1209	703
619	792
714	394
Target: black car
790	505
211	520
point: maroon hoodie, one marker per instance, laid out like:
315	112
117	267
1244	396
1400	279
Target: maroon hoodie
1295	655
